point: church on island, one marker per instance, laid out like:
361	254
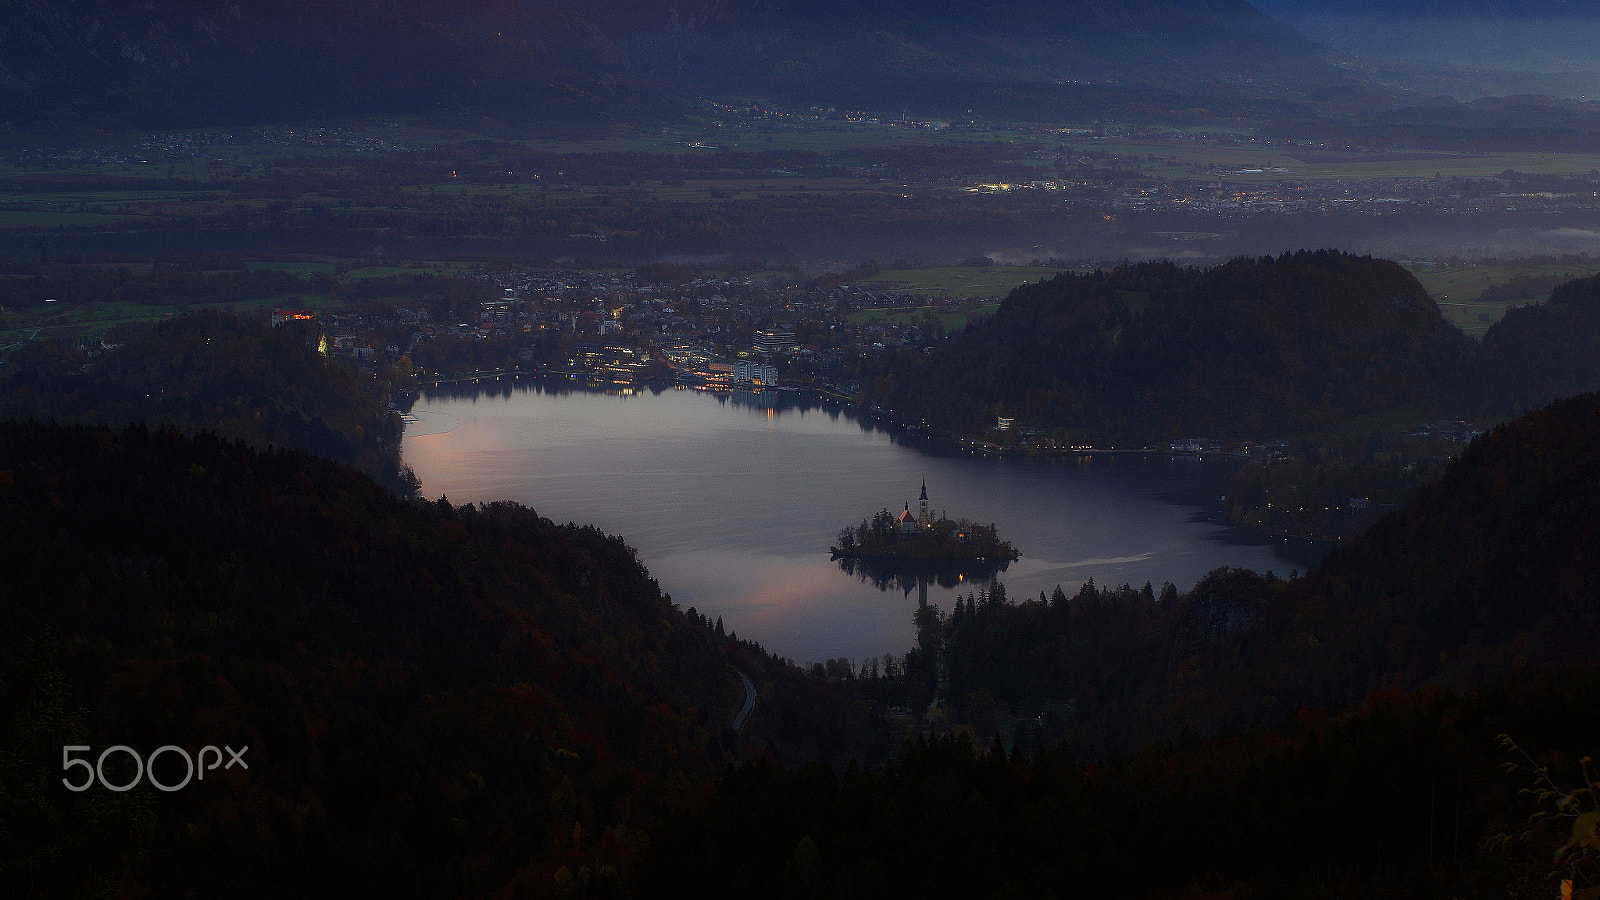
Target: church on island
921	521
920	536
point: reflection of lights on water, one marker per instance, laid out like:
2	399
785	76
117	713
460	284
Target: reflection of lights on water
742	573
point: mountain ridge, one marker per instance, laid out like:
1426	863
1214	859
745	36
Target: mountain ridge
1546	36
174	61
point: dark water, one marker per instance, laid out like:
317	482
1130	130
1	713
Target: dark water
733	502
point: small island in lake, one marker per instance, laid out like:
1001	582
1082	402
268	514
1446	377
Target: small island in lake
919	537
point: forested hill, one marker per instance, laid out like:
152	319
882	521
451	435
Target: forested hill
1490	570
1152	352
1550	350
1493	567
1260	348
235	377
437	700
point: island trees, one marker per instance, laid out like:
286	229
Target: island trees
883	537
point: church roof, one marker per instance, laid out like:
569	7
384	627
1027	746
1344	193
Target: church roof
906	516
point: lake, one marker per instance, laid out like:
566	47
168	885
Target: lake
733	501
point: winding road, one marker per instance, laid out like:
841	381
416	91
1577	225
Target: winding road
749	702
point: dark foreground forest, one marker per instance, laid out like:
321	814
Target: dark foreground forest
438	700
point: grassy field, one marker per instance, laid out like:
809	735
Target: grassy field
296	267
957	281
1393	421
1456	289
1468	281
1173	157
52	218
1177	158
169	193
1472	316
951	321
93	320
62	320
39	194
830	137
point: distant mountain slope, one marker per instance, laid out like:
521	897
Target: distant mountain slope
184	61
1516	35
172	63
1152	352
882	50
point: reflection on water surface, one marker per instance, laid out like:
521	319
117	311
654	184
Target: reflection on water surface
733	502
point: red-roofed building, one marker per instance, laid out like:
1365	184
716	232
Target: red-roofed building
280	316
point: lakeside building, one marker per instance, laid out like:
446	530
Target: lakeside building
750	372
775	341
